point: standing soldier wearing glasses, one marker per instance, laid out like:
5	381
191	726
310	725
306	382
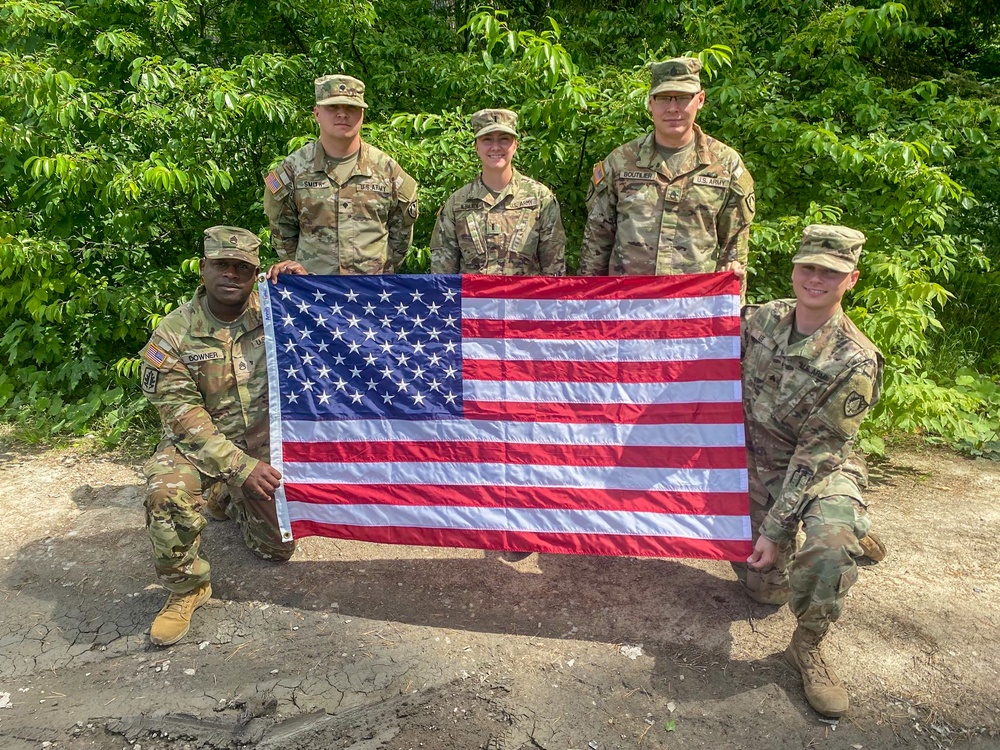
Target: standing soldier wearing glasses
672	201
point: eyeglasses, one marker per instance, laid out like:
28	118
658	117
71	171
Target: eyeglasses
680	99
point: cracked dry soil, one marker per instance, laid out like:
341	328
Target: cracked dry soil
372	647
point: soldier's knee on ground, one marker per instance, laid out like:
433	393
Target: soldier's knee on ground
767	587
271	552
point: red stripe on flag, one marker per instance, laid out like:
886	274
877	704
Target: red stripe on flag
573	544
589	288
539	498
600	330
546	454
561	371
700	413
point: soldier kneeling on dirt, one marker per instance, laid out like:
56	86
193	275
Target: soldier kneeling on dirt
809	378
204	371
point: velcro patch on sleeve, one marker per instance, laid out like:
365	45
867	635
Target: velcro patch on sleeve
149	380
598	173
155	355
276	181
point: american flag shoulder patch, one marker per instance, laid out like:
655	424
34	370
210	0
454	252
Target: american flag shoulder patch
598	172
154	355
274	182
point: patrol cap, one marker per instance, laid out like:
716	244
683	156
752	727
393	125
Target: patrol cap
830	246
340	90
680	74
487	121
232	242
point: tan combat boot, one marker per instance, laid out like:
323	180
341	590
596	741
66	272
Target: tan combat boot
874	547
174	619
824	690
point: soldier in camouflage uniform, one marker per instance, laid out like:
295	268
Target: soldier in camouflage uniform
809	378
339	205
502	222
674	200
204	371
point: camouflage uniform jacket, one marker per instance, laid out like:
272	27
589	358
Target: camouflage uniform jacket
209	385
643	220
518	233
803	404
364	226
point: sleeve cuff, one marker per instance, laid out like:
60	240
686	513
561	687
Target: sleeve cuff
775	531
247	467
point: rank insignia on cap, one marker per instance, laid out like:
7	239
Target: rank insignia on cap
154	355
598	172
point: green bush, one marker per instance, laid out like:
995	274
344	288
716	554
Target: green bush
126	128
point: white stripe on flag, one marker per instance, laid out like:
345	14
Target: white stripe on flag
527	519
489	431
527	391
679	308
615	350
517	475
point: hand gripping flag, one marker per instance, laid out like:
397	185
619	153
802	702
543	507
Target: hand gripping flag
595	416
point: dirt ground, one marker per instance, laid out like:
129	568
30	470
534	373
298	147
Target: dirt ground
371	647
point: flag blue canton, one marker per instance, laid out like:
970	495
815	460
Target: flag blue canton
368	347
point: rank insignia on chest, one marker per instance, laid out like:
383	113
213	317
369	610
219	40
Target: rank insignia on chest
673	194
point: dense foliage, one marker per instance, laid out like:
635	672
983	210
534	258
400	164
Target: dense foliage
128	126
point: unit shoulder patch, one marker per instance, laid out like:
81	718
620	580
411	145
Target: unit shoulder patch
855	404
149	380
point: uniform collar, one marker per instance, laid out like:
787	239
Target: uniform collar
649	157
482	193
203	324
811	347
321	161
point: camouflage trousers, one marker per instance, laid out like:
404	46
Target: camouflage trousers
812	577
174	500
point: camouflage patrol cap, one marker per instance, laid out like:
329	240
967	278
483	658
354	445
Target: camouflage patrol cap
487	121
679	74
340	90
830	246
232	242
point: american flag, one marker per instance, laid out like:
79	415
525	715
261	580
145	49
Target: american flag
571	415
